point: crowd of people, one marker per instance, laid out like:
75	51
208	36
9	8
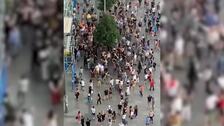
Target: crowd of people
192	63
127	67
33	28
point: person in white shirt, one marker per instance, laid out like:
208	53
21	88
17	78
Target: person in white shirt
211	102
111	82
82	82
177	104
27	118
93	110
128	91
23	89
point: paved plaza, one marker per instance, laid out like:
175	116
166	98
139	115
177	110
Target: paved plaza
134	99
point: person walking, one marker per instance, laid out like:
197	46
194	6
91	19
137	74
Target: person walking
93	111
147	121
114	116
82	82
152	85
51	118
23	89
77	93
151	101
136	111
99	119
78	117
109	122
151	116
119	107
82	121
141	90
88	122
99	99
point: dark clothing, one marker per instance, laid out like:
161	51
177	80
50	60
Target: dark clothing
99	118
82	122
103	117
88	123
149	98
106	92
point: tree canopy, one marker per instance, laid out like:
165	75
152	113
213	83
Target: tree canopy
106	33
109	4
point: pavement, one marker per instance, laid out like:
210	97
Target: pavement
135	99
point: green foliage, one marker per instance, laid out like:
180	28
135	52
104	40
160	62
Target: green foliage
106	33
109	4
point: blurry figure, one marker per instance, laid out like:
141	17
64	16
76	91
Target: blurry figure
175	119
77	93
211	103
51	119
136	111
177	104
55	88
78	117
141	90
88	122
192	76
14	41
65	103
186	111
82	121
151	101
23	89
110	122
147	121
10	116
27	118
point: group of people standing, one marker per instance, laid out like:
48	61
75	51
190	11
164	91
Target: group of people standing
119	71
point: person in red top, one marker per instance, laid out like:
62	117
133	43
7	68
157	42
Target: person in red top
151	85
220	106
55	88
220	103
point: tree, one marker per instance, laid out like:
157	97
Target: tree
109	4
106	33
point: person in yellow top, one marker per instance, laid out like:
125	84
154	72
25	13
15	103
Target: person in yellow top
88	16
175	119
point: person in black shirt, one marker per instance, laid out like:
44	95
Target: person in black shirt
151	101
77	94
106	94
82	121
99	118
149	98
88	122
119	106
124	110
99	99
90	90
110	93
103	116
